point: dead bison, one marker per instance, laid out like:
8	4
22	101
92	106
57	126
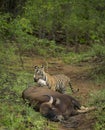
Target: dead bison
51	104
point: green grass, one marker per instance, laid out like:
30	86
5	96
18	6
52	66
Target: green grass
74	58
14	113
94	57
15	116
96	51
98	100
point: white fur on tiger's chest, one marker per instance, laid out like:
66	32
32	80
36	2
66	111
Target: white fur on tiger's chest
42	82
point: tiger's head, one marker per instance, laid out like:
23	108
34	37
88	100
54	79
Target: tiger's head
39	75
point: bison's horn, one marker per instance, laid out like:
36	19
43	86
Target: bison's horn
51	99
58	101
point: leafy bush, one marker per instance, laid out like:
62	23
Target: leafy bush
96	50
20	34
4	26
48	48
98	53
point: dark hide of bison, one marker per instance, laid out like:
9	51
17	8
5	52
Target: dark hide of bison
52	104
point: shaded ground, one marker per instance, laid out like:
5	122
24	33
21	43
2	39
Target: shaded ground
80	79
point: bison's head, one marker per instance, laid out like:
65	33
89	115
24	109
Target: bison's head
49	109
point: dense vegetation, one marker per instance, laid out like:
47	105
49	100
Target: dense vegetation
71	29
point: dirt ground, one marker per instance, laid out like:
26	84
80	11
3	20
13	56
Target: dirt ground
80	79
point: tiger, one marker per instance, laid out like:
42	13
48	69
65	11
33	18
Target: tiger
55	82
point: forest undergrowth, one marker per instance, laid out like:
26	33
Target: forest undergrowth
17	74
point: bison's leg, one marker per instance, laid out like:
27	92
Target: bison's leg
86	109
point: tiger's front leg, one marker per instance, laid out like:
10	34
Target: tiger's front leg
61	89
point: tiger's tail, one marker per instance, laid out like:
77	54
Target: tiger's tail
72	89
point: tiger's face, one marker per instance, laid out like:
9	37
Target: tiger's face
39	74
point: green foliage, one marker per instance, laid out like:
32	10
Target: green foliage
72	58
20	26
98	100
40	27
18	30
96	51
14	113
78	20
63	21
20	117
95	56
4	24
7	59
48	48
98	54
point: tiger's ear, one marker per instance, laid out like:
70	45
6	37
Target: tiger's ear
35	67
42	67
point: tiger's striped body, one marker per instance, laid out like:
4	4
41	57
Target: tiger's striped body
55	82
